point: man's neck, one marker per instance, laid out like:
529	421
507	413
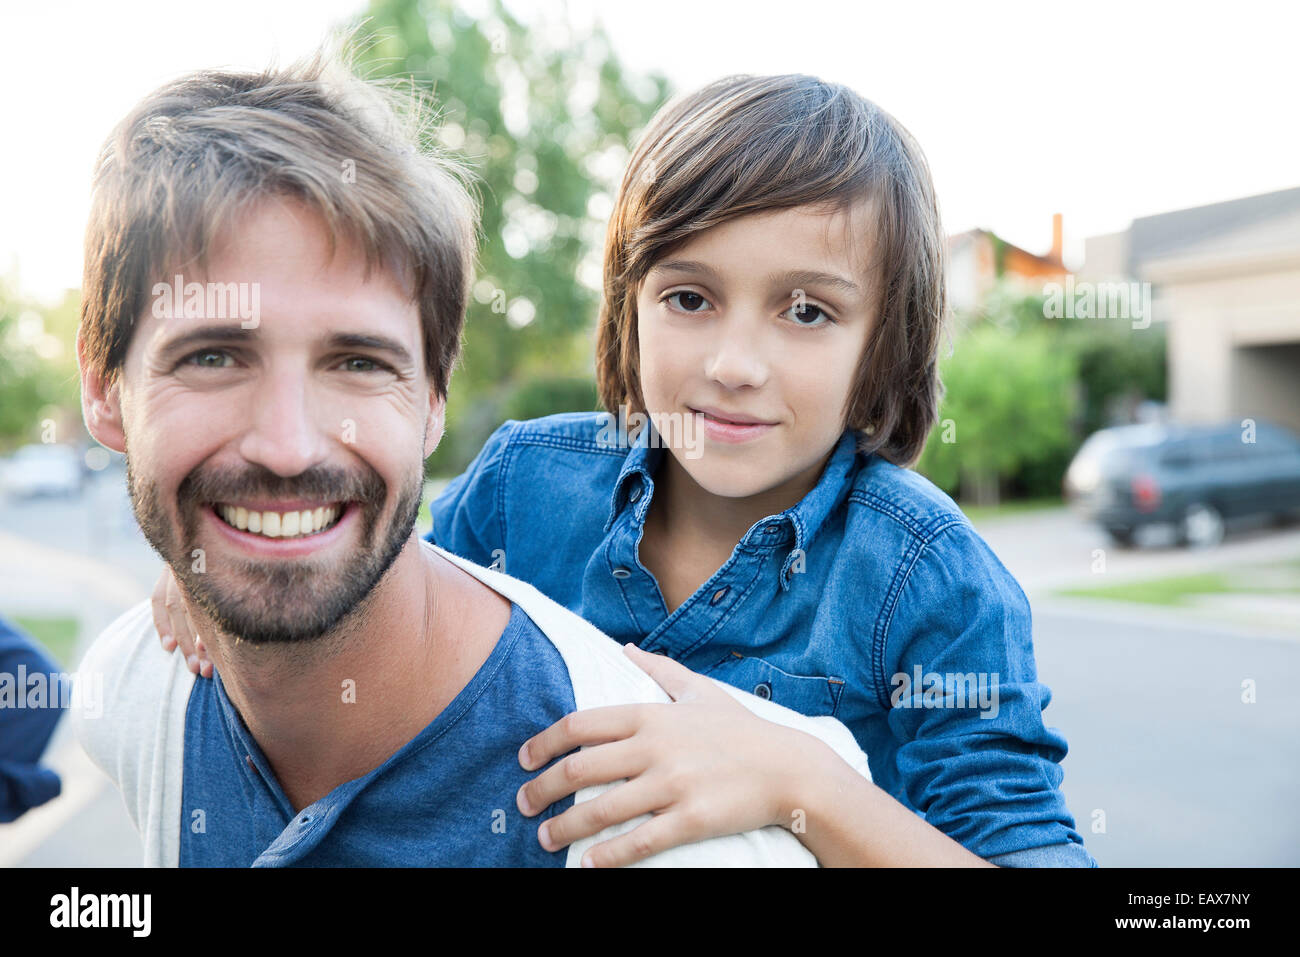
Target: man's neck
331	712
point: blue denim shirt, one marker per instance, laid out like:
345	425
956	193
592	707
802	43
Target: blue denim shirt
872	600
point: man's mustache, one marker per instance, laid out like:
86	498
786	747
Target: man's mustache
206	486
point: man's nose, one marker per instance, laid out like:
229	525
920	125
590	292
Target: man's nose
285	433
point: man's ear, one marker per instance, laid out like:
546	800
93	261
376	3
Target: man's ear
101	404
435	423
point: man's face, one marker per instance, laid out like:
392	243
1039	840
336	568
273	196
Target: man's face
278	468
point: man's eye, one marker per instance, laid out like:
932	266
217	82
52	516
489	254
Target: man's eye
210	359
363	364
806	314
688	301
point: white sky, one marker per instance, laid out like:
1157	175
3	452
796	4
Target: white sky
1100	111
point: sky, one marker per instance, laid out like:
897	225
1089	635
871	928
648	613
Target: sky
1102	112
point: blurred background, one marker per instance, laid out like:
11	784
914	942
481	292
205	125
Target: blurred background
1122	366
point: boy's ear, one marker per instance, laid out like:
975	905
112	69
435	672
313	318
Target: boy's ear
435	423
101	404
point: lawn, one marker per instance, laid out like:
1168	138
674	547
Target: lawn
58	635
1176	590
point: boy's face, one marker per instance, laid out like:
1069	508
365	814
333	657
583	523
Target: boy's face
319	407
759	320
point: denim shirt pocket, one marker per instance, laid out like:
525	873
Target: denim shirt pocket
811	695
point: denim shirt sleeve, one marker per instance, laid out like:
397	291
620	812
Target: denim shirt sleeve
987	773
469	515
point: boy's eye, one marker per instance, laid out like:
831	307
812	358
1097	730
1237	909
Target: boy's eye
806	314
688	301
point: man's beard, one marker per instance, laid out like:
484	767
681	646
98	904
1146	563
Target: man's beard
284	600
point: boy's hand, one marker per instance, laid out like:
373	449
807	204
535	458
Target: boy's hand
172	621
705	765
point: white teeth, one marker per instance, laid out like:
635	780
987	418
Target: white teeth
280	524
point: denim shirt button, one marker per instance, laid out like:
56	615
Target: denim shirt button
763	690
635	494
620	573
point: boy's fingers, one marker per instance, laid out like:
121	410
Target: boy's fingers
179	620
161	618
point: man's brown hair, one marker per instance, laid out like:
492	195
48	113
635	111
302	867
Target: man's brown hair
750	144
199	150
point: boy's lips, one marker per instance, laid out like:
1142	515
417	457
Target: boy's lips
732	427
730	418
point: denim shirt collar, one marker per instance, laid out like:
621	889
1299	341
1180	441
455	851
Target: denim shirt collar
804	519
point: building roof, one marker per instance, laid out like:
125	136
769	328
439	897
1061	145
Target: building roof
1151	237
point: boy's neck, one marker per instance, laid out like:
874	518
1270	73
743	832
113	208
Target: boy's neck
688	512
331	713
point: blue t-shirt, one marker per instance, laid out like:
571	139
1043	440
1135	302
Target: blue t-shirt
872	600
446	798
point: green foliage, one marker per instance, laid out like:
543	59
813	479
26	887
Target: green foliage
38	370
1008	404
1024	390
544	117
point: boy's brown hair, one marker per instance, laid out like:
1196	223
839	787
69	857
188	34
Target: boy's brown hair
750	144
199	150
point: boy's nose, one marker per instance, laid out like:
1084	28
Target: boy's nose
284	433
737	359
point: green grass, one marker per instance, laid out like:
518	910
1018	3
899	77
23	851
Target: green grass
1176	590
985	513
58	635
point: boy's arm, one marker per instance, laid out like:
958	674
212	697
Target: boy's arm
987	773
129	715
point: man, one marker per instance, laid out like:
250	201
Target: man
275	285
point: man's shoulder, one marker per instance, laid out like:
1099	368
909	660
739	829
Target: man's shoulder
132	723
602	675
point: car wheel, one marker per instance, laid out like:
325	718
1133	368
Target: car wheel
1201	526
1123	537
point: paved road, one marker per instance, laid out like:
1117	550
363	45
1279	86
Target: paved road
1161	742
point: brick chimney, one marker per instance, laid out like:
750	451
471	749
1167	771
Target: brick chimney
1058	242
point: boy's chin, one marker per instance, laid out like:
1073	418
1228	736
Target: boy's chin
727	480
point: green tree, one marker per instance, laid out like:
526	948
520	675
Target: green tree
1008	403
545	118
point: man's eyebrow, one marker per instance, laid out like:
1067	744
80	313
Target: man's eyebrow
356	340
794	279
340	340
210	333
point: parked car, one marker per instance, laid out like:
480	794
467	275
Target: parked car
1197	478
43	470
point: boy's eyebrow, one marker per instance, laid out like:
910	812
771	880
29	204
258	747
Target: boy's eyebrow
793	279
340	340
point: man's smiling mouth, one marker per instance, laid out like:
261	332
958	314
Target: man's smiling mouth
282	523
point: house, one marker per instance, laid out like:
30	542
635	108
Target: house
978	258
1226	280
